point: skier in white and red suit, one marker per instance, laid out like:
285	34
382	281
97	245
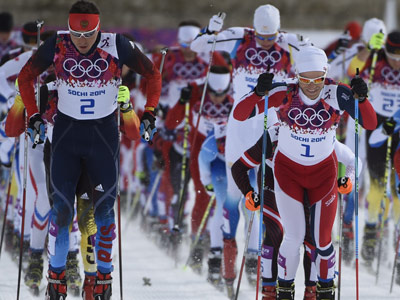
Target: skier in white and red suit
216	108
305	160
253	51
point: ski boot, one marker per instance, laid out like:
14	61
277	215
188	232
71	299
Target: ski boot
102	287
34	273
196	259
310	293
369	244
9	235
214	268
72	275
326	290
88	287
57	286
230	289
285	290
269	292
251	268
348	242
25	250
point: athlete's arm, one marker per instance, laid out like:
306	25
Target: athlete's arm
227	40
367	116
138	62
37	64
252	104
208	153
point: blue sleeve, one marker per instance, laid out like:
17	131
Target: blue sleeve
132	56
208	153
346	101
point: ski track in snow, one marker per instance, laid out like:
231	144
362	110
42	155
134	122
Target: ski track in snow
143	259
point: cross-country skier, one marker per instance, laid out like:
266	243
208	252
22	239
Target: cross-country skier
305	161
88	66
253	51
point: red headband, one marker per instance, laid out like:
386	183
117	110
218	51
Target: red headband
30	33
83	22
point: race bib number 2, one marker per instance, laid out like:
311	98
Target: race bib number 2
87	106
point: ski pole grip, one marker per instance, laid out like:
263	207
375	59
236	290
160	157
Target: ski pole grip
222	15
164	50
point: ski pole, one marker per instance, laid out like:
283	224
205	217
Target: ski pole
340	243
121	293
182	193
356	186
246	245
8	195
264	152
222	15
384	204
152	192
200	229
395	256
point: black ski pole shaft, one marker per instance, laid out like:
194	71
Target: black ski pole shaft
384	204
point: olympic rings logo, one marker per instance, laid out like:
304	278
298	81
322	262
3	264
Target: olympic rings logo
391	76
262	57
309	116
188	70
85	67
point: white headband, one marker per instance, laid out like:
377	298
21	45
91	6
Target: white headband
186	34
310	58
219	82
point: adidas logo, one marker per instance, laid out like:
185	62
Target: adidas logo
85	196
99	188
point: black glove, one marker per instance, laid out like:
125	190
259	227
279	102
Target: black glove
36	130
388	126
186	94
343	43
147	126
264	83
398	188
359	88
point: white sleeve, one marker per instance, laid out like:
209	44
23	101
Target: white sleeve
227	40
339	65
347	157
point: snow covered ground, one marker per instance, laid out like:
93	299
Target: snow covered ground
143	260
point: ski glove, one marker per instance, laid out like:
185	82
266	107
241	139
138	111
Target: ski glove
344	185
398	188
36	130
148	126
388	126
215	24
376	41
143	178
252	201
264	84
209	189
359	88
124	99
343	43
186	94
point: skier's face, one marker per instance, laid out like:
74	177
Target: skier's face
393	60
4	36
216	99
83	41
311	83
266	41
